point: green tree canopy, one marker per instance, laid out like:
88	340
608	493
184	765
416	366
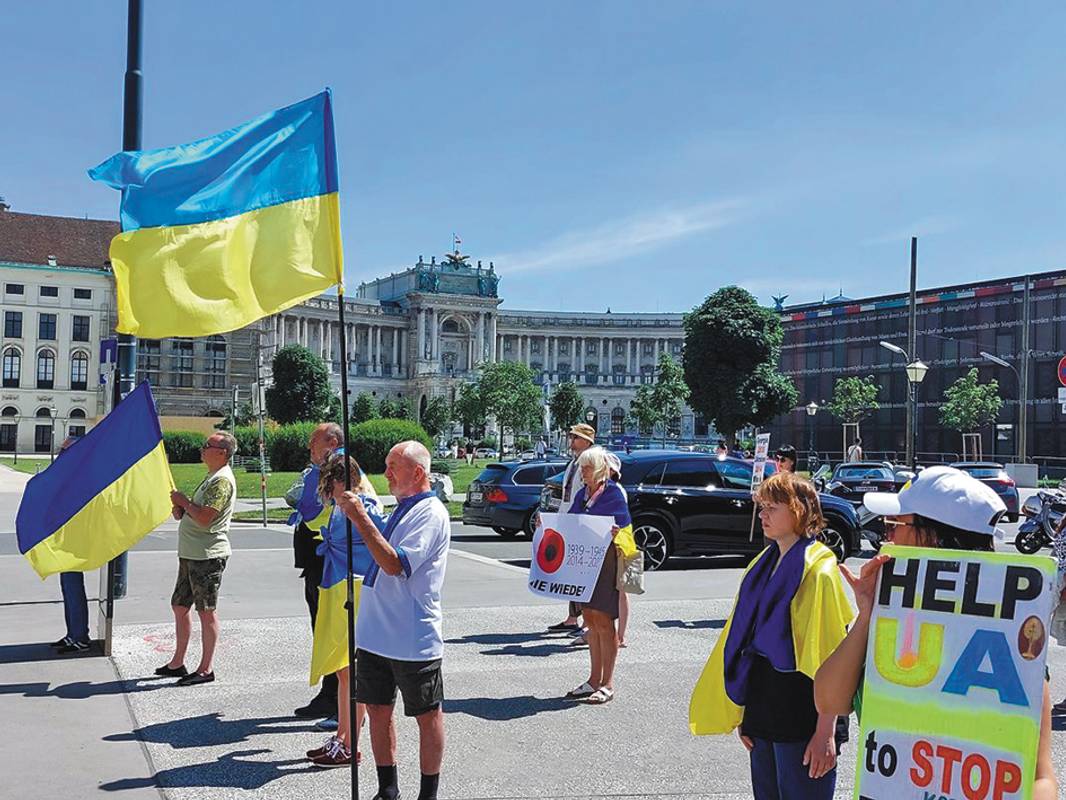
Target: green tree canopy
395	408
437	417
969	404
643	410
245	416
469	408
669	392
566	405
301	387
364	408
509	393
732	346
854	398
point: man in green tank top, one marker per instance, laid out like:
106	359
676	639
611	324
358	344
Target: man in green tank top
203	548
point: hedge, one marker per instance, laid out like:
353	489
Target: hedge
288	447
183	447
372	440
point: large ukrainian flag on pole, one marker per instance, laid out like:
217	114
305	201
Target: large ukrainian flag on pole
102	495
221	232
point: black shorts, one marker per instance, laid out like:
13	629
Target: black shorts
420	683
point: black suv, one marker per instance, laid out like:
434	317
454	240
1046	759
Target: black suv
698	504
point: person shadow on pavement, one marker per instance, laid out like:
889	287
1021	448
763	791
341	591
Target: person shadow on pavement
228	771
209	730
505	709
79	690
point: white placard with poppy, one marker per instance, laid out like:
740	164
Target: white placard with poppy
568	551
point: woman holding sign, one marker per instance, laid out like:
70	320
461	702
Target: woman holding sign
601	496
790	614
942	508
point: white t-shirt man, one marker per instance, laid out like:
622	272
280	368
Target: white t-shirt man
400	615
571	483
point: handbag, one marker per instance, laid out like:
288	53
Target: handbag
630	575
295	492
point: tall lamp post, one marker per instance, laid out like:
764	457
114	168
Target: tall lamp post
916	370
812	457
1023	402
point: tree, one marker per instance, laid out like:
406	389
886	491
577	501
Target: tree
509	393
400	408
732	346
437	417
363	408
566	406
336	410
643	410
854	398
669	392
469	408
301	386
245	416
969	404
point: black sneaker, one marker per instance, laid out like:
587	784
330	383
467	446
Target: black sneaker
61	642
196	678
167	671
74	647
319	707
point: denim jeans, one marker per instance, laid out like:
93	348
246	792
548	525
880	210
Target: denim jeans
75	607
778	773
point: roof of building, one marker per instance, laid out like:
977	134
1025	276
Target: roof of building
55	241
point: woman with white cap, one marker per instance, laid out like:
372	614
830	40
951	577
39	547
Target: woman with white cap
941	508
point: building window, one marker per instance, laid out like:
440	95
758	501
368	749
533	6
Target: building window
46	326
14	288
181	362
9	429
46	369
216	363
79	372
42	433
149	360
618	420
564	348
83	294
620	349
80	330
12	368
590	349
506	345
13	324
647	374
676	348
76	428
649	348
49	291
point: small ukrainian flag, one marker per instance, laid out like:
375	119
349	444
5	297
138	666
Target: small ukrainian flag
101	496
224	231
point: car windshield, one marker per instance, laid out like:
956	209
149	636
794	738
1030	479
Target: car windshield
859	473
493	473
983	472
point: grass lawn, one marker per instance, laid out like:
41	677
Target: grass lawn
281	515
28	465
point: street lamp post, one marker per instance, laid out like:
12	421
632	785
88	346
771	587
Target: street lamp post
812	409
1023	402
915	375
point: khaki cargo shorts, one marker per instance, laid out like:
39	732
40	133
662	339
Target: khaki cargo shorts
198	582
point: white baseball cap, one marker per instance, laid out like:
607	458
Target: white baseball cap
947	495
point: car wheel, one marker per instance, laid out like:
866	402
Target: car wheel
653	539
507	533
1012	518
832	538
529	527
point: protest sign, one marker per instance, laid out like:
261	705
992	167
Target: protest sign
954	680
568	551
762	452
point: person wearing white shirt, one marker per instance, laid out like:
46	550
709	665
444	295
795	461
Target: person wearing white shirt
399	624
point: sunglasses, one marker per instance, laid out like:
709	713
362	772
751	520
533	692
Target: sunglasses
208	446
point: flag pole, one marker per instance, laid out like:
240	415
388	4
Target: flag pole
353	731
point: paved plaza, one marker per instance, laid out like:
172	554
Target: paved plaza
96	727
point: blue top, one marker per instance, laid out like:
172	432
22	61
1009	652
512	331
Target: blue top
610	503
309	506
333	547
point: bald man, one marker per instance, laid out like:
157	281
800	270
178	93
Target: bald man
398	630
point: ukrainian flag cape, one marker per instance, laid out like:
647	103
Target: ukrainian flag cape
818	613
610	502
102	495
329	651
221	232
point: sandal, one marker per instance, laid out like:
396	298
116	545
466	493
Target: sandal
600	696
581	692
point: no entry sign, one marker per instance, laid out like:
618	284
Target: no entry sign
1062	370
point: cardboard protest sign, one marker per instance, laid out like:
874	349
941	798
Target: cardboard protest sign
762	452
954	680
568	551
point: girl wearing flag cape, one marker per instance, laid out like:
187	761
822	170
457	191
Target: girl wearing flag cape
790	614
329	652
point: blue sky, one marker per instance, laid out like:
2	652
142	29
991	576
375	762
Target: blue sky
622	154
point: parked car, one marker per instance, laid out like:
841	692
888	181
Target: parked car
505	496
851	481
485	452
697	504
994	476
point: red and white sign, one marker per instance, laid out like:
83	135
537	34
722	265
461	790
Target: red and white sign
1062	370
568	551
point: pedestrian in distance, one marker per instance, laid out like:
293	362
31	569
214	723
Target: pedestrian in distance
580	439
75	605
855	451
308	516
790	613
203	550
399	624
786	458
942	508
333	550
602	497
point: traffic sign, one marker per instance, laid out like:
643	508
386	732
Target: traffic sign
1062	370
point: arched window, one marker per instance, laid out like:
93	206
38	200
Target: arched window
9	429
46	369
76	428
449	326
43	430
77	413
79	371
44	412
9	411
618	420
12	368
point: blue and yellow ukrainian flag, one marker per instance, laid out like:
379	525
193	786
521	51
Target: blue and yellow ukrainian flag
102	495
221	232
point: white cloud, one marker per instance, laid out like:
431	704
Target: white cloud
927	226
619	239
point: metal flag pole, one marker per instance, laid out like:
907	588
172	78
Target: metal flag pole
353	732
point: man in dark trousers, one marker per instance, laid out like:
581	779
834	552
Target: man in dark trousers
309	516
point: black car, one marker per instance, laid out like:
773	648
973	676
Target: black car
851	481
505	495
698	504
